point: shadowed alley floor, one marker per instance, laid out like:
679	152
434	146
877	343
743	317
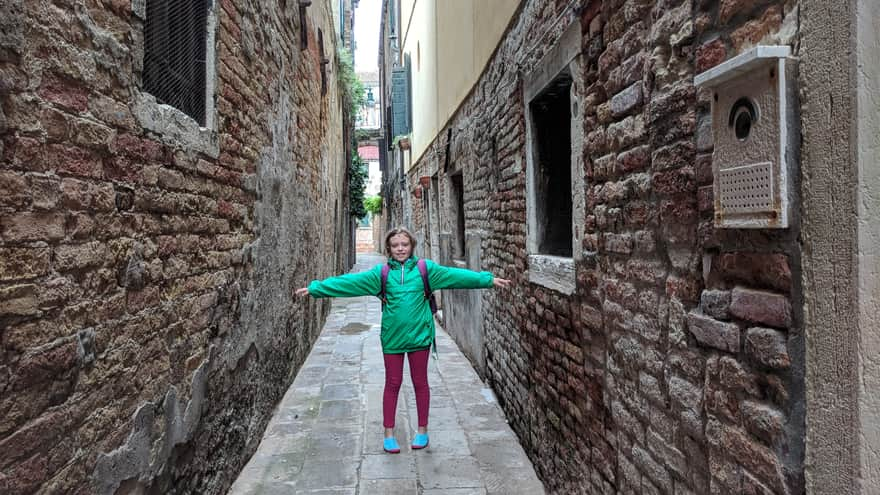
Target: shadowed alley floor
326	435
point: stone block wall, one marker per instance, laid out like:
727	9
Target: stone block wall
677	365
147	327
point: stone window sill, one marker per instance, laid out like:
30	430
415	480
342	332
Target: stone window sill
173	126
553	272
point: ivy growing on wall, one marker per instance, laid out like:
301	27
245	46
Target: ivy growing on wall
353	98
352	87
358	173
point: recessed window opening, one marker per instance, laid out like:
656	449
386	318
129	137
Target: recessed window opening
175	55
551	117
303	25
458	203
323	61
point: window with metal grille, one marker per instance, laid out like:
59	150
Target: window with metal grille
174	54
551	115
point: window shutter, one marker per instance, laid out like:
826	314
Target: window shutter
399	102
409	102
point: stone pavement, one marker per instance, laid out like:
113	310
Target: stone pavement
326	435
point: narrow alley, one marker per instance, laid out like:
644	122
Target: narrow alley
668	212
325	437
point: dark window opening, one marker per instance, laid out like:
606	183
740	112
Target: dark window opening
458	203
552	124
324	61
174	55
303	25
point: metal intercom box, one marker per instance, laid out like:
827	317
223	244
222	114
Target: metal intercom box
755	130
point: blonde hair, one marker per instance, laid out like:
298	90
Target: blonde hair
398	231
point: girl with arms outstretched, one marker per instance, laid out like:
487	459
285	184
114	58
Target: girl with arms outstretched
407	320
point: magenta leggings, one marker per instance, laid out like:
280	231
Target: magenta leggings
418	370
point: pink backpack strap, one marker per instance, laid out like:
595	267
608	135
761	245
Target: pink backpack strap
385	269
423	271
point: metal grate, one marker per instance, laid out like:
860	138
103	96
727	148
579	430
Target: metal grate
747	189
174	54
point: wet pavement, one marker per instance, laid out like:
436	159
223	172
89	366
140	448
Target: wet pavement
326	435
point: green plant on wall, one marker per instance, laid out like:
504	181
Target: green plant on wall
373	204
358	173
352	87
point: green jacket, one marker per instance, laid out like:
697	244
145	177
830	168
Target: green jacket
407	323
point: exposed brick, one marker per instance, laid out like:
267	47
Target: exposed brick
761	307
763	421
23	263
73	161
652	469
626	100
761	270
716	303
675	155
675	181
684	289
45	190
43	364
21	227
757	458
752	32
768	347
751	486
684	393
710	54
13	189
64	92
74	257
618	243
627	133
81	195
729	8
19	300
714	333
633	160
139	148
90	134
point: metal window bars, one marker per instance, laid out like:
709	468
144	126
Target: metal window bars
174	54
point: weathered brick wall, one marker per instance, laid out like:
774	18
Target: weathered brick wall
147	327
677	364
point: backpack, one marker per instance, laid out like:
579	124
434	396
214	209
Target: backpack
423	271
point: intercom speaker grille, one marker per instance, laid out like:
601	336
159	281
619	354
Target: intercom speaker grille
747	189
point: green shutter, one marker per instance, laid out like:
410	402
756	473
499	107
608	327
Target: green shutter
399	102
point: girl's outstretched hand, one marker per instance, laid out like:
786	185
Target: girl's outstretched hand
500	282
302	292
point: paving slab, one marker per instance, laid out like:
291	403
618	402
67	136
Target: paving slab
325	437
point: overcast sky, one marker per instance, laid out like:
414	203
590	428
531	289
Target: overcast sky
367	16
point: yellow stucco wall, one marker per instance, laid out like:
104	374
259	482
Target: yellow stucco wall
449	43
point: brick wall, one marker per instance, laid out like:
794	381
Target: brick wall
146	266
677	364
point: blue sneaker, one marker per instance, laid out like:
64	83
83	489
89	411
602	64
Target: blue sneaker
390	445
420	441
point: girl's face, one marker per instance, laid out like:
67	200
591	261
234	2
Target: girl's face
401	248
